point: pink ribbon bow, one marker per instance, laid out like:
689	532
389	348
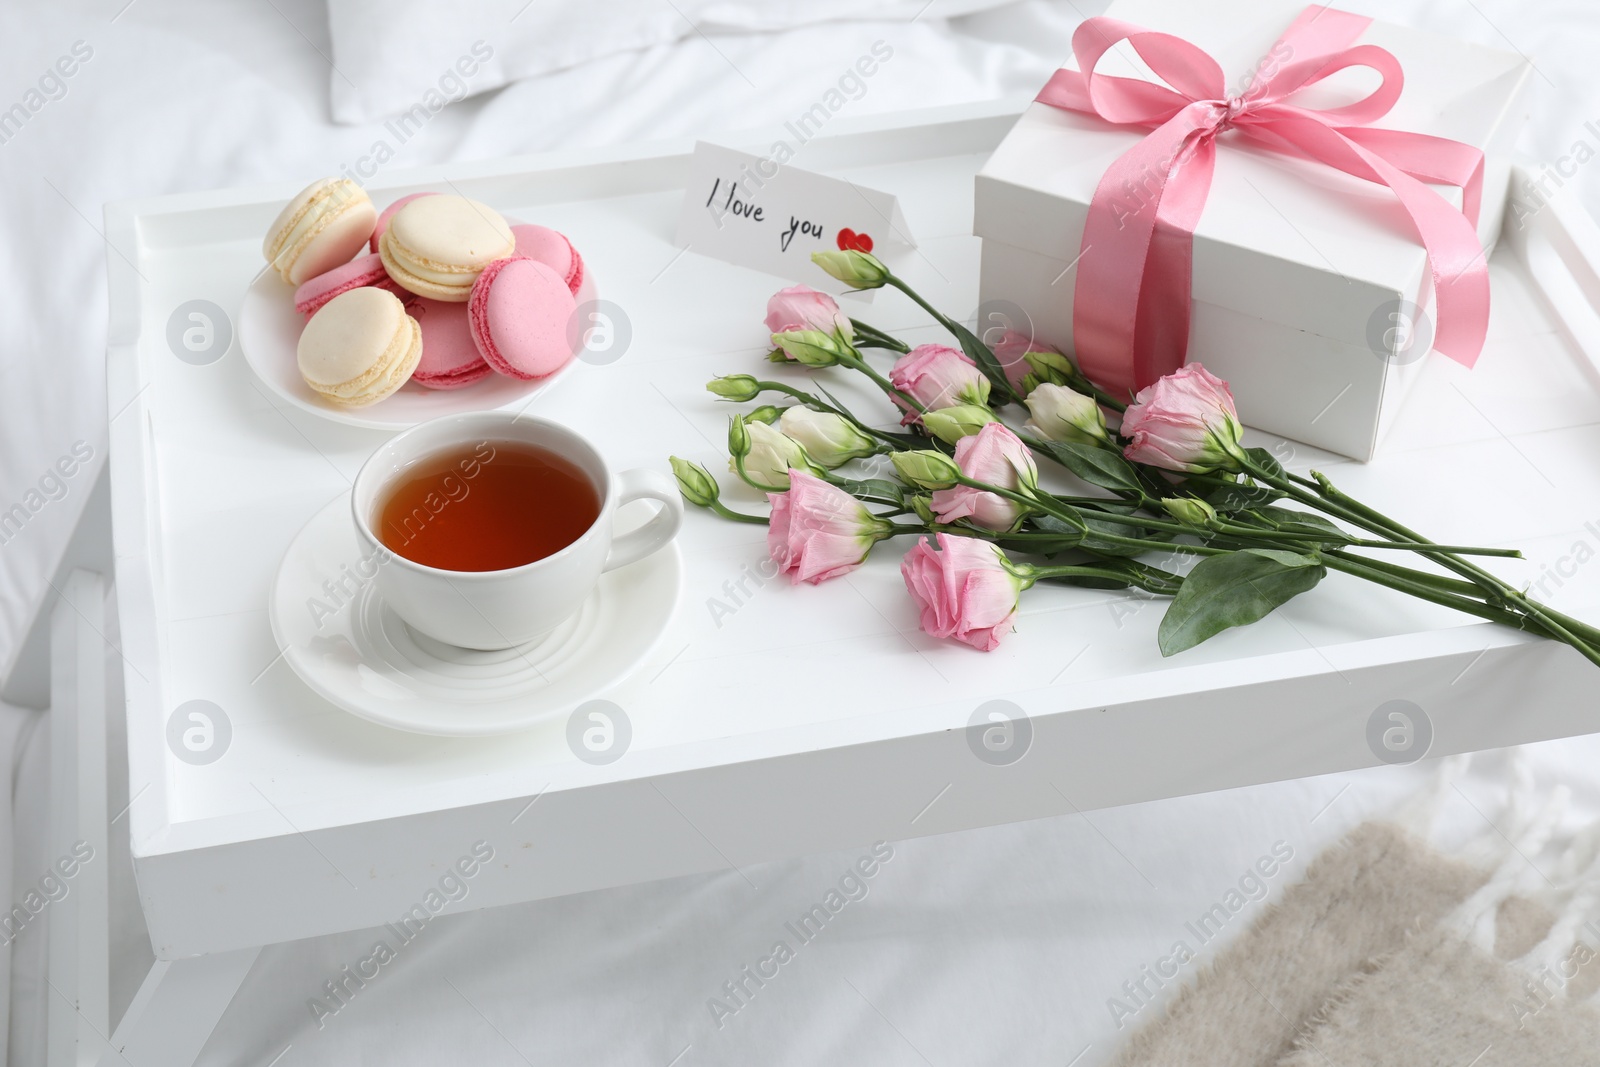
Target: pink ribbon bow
1130	317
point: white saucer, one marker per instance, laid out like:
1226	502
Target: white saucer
269	333
364	659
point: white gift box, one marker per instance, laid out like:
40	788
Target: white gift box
1307	282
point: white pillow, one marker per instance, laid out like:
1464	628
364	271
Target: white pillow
408	58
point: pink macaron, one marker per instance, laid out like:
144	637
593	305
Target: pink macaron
388	213
520	311
551	248
450	357
359	272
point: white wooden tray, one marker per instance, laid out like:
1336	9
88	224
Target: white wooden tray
787	720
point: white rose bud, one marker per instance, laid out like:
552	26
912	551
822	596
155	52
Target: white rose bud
1063	415
771	454
831	440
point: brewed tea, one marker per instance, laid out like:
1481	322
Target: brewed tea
487	506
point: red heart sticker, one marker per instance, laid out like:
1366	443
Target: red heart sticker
851	240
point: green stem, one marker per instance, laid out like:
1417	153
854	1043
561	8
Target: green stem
1103	398
738	466
1565	626
916	298
1465	604
1436	581
878	338
1356	542
718	508
1069	571
1330	499
883	383
1048	505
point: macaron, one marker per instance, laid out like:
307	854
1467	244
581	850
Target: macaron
450	357
363	270
551	248
322	227
359	347
519	313
436	246
388	213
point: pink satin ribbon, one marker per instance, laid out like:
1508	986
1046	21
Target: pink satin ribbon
1130	315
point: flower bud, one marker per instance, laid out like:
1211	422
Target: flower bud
1063	415
1189	510
860	270
831	440
923	506
736	387
767	413
768	454
926	469
810	347
1050	366
694	482
738	437
953	423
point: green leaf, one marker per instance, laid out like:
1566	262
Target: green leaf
1290	521
1235	498
980	354
1114	528
1071	536
1265	460
1234	590
1038	547
1097	466
1102	522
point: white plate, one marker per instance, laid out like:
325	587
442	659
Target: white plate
269	332
364	659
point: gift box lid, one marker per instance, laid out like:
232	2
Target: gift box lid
1276	229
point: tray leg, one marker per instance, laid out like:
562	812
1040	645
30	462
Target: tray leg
78	921
177	1006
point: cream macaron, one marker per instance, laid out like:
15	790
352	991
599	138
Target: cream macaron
436	246
324	226
359	347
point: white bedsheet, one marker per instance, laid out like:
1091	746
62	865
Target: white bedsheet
997	946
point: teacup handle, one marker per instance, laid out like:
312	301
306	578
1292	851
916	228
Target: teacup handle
642	483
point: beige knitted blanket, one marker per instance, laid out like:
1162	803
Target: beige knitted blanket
1390	953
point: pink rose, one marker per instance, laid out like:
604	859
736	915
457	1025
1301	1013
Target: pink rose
937	376
1010	350
1184	422
818	531
801	307
965	590
997	456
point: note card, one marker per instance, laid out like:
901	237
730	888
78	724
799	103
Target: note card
759	213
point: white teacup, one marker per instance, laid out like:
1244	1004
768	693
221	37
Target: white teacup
499	609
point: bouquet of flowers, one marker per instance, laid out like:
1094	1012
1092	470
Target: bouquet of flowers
1165	474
